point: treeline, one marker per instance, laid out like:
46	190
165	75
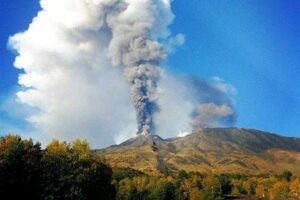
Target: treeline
72	171
61	171
197	186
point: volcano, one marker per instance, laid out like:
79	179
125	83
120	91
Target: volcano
216	150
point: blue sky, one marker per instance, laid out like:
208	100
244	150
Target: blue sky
253	45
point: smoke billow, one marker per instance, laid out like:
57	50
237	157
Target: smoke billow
91	69
190	103
215	103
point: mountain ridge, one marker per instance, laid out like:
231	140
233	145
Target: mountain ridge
216	150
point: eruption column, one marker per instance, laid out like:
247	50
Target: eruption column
135	46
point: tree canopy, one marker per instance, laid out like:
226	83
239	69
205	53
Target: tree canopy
61	171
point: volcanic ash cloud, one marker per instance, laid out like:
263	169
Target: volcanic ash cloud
136	27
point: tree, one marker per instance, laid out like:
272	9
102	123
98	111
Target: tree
96	183
287	175
211	188
81	149
249	186
195	194
120	174
295	189
264	185
166	191
19	168
279	191
237	186
127	190
182	174
71	172
56	165
183	189
225	182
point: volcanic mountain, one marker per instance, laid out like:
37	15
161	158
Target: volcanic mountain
217	150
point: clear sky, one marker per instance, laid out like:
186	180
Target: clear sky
253	45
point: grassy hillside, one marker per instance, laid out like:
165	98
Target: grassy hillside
221	150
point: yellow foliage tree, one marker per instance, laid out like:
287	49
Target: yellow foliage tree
57	148
295	189
264	185
249	186
81	149
195	194
279	191
211	188
236	186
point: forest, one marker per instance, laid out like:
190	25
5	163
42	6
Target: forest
72	171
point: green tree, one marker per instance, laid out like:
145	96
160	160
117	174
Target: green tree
71	172
182	174
225	183
249	186
212	188
287	175
127	190
19	168
120	174
165	191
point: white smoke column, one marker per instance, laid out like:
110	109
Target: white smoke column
136	26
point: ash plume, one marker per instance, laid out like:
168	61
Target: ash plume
134	45
143	81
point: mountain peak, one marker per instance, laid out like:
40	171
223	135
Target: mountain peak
142	140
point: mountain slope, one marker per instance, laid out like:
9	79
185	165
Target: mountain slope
219	150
